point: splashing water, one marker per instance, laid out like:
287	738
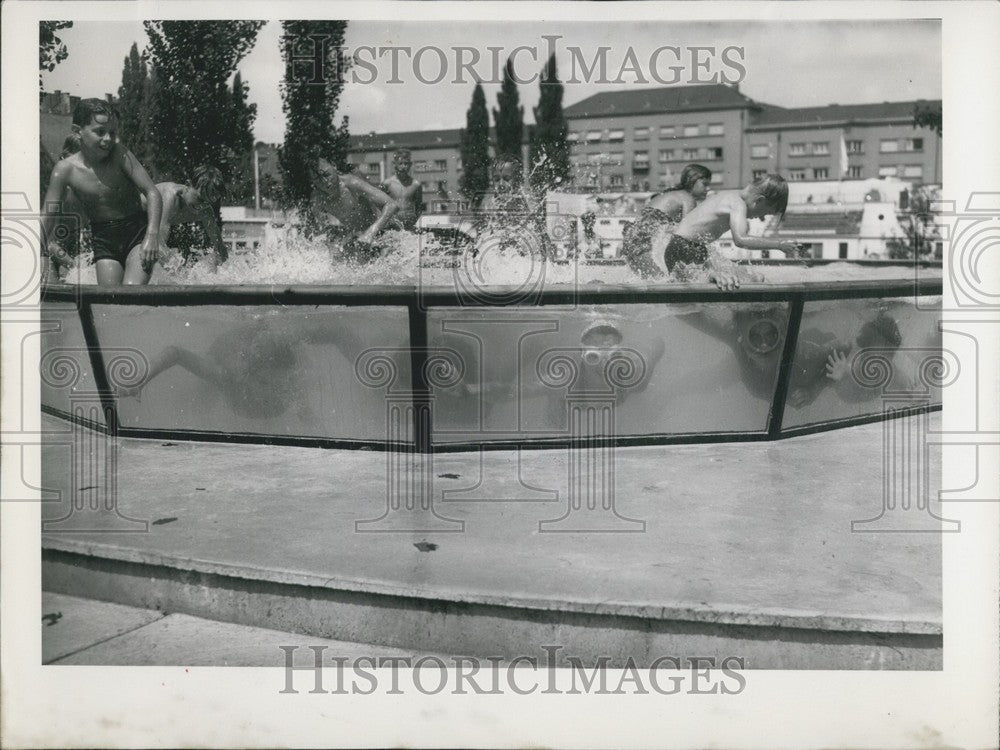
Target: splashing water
286	256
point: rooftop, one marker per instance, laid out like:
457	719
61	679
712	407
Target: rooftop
770	116
666	99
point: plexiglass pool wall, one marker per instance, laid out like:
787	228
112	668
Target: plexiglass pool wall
371	367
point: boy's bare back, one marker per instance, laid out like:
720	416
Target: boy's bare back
713	217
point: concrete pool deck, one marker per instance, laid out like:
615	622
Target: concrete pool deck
733	549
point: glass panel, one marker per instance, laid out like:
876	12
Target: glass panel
881	354
669	369
261	370
67	379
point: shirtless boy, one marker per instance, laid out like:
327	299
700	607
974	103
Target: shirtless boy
406	191
361	209
729	210
183	204
108	181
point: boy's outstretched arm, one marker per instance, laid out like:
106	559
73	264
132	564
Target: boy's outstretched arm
154	206
389	206
739	226
53	255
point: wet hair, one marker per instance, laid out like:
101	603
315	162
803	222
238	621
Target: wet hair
401	152
690	175
86	109
881	333
502	161
70	146
774	190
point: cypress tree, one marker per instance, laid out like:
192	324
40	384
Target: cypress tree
131	95
550	164
508	117
475	148
309	100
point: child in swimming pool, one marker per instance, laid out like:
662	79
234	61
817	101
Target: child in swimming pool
108	183
362	210
407	192
662	212
729	210
183	204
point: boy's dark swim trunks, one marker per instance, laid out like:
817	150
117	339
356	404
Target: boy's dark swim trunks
683	250
637	245
114	240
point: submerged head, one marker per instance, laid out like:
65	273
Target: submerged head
96	127
767	196
695	180
599	341
402	161
881	333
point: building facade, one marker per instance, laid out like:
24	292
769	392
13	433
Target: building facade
640	140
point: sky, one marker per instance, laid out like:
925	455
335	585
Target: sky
791	64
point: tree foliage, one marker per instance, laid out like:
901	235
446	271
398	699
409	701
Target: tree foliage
310	93
192	112
549	150
508	117
51	49
475	148
132	119
927	117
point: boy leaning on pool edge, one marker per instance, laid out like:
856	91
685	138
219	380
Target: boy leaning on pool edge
108	182
729	210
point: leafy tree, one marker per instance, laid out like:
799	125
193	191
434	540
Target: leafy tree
927	117
191	120
475	148
51	49
189	108
310	94
131	103
509	117
549	149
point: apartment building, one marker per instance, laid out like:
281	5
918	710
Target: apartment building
640	139
817	143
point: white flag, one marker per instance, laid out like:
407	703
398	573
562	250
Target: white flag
843	157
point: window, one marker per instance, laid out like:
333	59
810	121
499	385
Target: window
617	180
594	136
616	157
821	173
572	137
667	155
616	136
715	128
714	153
691	153
641	156
667	131
372	168
641	134
888	147
842	250
913	144
760	151
821	149
691	130
854	172
855	147
913	171
640	161
758	174
887	171
796	175
595	158
440	165
797	149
